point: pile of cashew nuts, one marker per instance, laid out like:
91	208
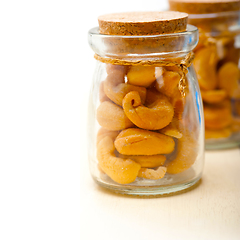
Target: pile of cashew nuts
218	75
139	114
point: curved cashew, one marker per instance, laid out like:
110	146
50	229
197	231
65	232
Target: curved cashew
151	161
134	141
214	96
152	173
228	76
112	117
155	115
217	117
115	88
186	155
120	170
222	133
205	63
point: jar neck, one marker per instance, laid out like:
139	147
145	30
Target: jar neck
143	47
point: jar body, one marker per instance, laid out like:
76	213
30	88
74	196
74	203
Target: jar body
217	67
146	137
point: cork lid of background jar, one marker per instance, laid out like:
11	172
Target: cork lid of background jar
142	23
204	6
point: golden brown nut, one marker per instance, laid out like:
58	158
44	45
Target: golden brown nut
186	154
171	130
134	141
232	52
178	103
228	77
222	133
167	83
112	117
115	88
120	170
141	76
218	116
151	161
214	96
205	63
156	114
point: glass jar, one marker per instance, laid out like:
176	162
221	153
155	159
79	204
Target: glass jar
217	67
146	134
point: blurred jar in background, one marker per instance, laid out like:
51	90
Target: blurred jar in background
217	66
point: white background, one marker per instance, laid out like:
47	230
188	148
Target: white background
46	191
46	67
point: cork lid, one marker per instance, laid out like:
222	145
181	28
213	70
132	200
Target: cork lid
204	6
142	23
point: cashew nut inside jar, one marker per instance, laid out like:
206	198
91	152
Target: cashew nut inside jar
217	64
146	131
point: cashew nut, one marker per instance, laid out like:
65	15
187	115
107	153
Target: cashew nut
205	63
186	155
141	76
228	76
222	133
167	84
120	170
155	115
171	130
214	96
152	173
217	116
147	161
134	141
112	117
115	88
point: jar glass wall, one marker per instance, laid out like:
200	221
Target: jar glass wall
146	128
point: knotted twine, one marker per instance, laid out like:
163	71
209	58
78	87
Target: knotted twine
181	65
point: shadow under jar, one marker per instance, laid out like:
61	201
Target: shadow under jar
217	65
146	134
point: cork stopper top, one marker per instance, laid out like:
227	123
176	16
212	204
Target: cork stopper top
142	23
204	6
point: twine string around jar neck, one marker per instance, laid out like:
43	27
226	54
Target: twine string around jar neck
183	65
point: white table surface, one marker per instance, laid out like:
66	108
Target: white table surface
209	211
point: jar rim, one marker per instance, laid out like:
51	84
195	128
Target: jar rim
231	19
143	46
193	16
190	30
